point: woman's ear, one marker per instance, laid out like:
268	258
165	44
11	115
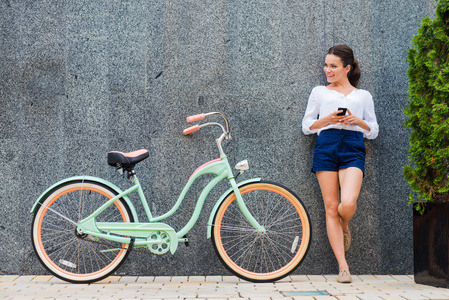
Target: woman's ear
347	69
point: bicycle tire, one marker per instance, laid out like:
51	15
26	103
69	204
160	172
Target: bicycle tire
262	257
65	253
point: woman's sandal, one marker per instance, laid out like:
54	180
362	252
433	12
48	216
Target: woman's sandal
344	277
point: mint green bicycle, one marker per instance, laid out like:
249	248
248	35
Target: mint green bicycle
85	227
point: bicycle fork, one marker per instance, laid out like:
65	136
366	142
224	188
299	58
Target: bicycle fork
244	209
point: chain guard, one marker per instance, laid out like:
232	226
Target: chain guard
158	240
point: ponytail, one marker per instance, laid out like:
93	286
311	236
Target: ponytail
354	73
347	57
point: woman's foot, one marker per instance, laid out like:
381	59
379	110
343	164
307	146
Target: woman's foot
344	277
347	239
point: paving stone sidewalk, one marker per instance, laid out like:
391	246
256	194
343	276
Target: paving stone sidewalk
301	287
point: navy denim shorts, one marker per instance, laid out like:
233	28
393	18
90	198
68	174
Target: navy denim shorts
337	149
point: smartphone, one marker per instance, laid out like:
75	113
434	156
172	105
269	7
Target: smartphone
343	111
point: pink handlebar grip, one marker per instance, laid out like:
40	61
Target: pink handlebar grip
191	129
195	118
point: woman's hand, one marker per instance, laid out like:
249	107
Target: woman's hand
351	119
334	118
331	118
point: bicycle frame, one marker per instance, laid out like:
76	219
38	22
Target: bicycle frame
139	233
122	232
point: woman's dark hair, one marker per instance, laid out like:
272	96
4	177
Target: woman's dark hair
347	57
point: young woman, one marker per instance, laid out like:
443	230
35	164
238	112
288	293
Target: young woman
342	116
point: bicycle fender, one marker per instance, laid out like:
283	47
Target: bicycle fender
85	178
221	199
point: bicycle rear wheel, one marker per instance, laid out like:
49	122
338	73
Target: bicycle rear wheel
262	257
61	249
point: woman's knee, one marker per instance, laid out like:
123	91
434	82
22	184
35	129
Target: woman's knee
332	210
347	207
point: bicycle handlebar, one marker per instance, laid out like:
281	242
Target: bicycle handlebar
201	117
225	135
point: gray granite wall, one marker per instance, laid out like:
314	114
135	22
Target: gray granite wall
80	78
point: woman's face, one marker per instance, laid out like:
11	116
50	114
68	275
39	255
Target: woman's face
334	70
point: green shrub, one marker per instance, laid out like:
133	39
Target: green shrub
428	110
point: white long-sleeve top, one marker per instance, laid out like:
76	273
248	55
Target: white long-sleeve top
323	101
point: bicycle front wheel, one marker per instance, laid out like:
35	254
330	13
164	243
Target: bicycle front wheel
74	257
268	256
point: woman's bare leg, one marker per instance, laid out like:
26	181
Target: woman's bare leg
350	184
329	184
